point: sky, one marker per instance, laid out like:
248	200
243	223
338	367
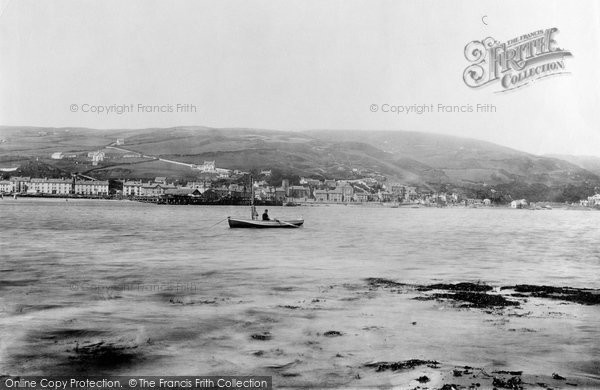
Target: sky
296	65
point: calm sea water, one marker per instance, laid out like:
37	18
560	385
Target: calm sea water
164	292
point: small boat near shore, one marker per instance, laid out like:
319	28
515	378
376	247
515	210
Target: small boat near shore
256	223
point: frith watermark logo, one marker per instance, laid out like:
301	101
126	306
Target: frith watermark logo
515	63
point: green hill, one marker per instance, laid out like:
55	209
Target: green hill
426	160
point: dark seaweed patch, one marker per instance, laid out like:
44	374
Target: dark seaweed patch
479	300
423	379
449	386
400	365
380	282
570	294
262	336
511	383
104	355
291	307
332	333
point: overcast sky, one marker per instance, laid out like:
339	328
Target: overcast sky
296	65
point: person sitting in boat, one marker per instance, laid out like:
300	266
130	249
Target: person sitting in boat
265	216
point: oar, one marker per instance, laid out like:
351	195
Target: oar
287	223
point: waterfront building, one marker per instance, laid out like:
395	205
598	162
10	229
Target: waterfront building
347	192
132	188
361	196
593	200
321	196
6	187
398	190
265	193
280	194
50	186
20	184
336	195
154	189
385	196
91	187
298	194
332	196
518	204
410	194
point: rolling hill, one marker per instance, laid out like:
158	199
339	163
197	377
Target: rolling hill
426	160
590	163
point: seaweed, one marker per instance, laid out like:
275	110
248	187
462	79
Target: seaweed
479	300
103	354
381	282
400	365
423	379
449	386
511	383
262	336
570	294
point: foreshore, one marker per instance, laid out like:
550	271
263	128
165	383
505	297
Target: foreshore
368	346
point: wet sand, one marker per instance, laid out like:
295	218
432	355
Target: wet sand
370	334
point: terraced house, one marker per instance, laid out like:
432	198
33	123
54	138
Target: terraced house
6	187
50	186
91	187
132	188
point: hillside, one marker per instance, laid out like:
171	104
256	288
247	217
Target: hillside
589	163
429	161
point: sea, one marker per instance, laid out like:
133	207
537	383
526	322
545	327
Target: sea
125	288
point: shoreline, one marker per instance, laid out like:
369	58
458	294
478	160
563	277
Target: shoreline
374	205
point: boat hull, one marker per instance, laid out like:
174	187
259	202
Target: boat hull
258	224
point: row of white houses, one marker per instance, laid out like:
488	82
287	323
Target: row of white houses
53	186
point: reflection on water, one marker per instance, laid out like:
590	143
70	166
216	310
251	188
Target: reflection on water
122	288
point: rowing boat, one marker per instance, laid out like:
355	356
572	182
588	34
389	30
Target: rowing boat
256	223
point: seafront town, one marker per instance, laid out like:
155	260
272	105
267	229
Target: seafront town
230	190
205	183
